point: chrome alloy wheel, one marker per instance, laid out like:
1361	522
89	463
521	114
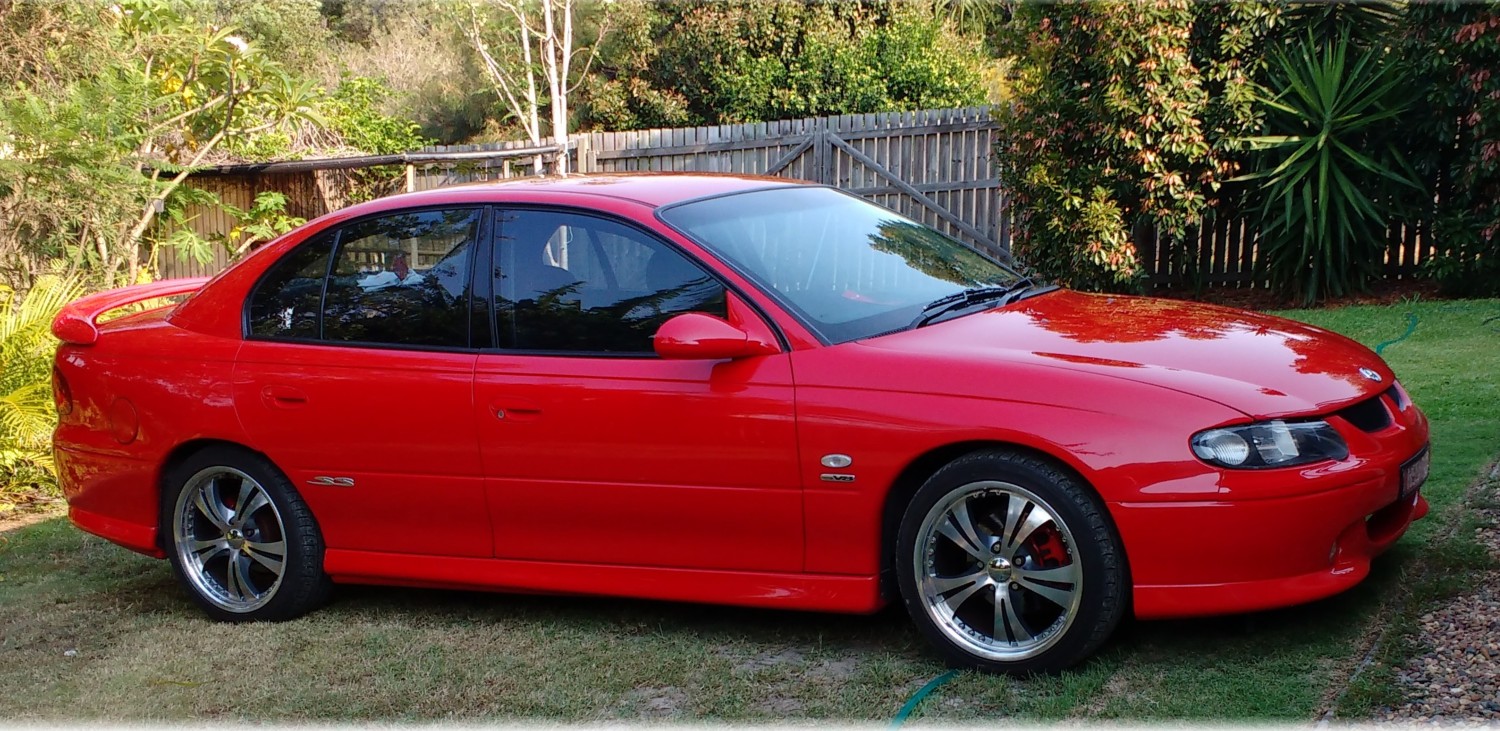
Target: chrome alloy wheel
230	539
997	571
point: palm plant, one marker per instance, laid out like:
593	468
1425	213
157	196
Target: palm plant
26	410
1365	21
1330	173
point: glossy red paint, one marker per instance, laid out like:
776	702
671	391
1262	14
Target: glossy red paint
643	461
696	336
413	457
78	323
700	479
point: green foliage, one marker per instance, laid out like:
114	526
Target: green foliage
354	111
176	233
27	414
294	32
1454	50
264	220
1330	170
1121	126
1366	22
66	184
745	61
923	63
416	51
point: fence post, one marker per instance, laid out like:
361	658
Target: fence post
581	145
411	177
822	153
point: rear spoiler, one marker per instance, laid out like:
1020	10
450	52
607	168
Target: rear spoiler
78	322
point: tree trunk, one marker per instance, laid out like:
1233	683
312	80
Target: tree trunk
553	53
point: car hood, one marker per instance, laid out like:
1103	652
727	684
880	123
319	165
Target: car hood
1260	365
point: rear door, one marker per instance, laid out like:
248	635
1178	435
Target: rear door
597	451
357	380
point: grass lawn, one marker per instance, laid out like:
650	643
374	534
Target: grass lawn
88	630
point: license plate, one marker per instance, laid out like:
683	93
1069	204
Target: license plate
1414	472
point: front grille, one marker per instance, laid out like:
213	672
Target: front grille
1369	415
1397	397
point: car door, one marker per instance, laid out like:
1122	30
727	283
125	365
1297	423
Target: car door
597	451
356	378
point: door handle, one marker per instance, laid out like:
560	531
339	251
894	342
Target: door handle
283	397
512	410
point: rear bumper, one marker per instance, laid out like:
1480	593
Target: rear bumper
110	496
1242	556
136	537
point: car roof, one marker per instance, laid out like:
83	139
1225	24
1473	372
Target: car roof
651	189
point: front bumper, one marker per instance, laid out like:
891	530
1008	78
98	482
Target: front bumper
1226	558
1276	538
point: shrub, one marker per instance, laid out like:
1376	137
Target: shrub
1331	174
1454	49
27	414
745	61
1122	122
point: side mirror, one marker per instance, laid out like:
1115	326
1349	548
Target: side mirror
696	336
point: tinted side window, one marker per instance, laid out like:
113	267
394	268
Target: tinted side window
289	297
576	283
403	280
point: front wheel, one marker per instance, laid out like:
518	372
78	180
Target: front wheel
1008	563
240	538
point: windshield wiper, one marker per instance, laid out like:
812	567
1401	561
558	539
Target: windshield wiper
1027	288
969	297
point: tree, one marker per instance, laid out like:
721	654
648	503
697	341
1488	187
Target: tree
746	61
103	131
203	84
63	178
543	76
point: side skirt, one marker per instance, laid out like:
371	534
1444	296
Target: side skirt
816	592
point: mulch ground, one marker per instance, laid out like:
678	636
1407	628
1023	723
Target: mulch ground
1381	293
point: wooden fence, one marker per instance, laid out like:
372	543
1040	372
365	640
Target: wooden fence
1223	254
937	166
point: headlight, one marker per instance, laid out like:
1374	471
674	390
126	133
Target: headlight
1269	444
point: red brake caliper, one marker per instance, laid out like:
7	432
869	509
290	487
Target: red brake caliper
1047	547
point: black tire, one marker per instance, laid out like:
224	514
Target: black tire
946	574
256	592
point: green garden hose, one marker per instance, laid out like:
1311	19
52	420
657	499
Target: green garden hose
917	697
1411	327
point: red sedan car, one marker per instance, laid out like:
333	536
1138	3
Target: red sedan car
724	389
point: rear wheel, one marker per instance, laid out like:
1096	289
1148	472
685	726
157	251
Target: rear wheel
1008	563
240	538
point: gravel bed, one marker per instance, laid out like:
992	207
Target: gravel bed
1457	678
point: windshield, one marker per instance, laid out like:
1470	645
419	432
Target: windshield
848	268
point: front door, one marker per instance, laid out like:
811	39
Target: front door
357	381
597	451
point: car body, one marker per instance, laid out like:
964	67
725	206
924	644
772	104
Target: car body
462	415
